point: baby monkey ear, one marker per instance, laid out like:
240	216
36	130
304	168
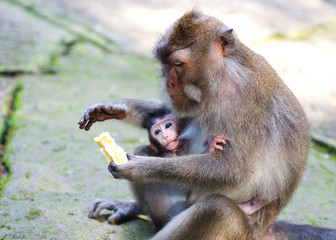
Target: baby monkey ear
226	40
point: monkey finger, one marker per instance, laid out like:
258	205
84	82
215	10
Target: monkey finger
82	121
219	137
89	113
113	169
219	147
115	218
93	207
89	123
211	148
81	125
221	141
101	206
215	146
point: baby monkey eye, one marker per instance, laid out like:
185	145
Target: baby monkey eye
157	132
168	125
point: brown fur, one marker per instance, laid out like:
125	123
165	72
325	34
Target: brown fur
253	107
234	92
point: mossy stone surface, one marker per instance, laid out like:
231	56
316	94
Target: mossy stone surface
27	44
314	202
57	169
6	88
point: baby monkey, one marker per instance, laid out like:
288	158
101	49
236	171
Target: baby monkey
166	135
163	136
168	138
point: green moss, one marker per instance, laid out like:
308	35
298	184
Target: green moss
22	196
33	214
74	28
28	175
18	96
324	147
312	222
3	181
8	125
15	102
50	67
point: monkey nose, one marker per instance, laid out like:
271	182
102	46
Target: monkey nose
170	87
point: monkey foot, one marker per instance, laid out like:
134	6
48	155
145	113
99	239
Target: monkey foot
123	210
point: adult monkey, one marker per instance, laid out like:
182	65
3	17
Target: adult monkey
224	88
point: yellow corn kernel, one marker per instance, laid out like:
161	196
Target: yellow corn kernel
110	149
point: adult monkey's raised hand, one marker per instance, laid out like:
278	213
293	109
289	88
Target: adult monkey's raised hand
130	110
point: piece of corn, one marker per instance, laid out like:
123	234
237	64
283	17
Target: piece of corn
144	217
110	149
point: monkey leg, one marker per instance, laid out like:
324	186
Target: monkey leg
163	201
123	210
212	217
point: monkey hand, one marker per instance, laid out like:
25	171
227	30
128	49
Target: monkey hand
100	112
217	143
125	171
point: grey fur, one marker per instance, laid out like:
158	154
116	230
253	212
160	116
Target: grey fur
244	99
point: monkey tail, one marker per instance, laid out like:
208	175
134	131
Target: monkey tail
288	231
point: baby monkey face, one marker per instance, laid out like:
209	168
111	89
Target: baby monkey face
165	132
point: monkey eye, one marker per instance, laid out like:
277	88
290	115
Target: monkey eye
168	125
157	132
177	63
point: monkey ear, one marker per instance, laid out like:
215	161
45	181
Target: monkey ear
226	40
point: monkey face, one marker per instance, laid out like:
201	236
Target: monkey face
191	67
174	85
165	133
181	82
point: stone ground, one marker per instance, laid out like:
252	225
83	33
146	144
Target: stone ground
67	55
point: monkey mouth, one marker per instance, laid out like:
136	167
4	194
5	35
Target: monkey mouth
178	97
172	145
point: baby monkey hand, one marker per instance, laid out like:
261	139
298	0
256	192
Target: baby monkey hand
217	143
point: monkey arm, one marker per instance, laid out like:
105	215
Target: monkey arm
203	170
129	110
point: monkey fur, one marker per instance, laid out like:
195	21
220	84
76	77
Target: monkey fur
223	87
162	201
